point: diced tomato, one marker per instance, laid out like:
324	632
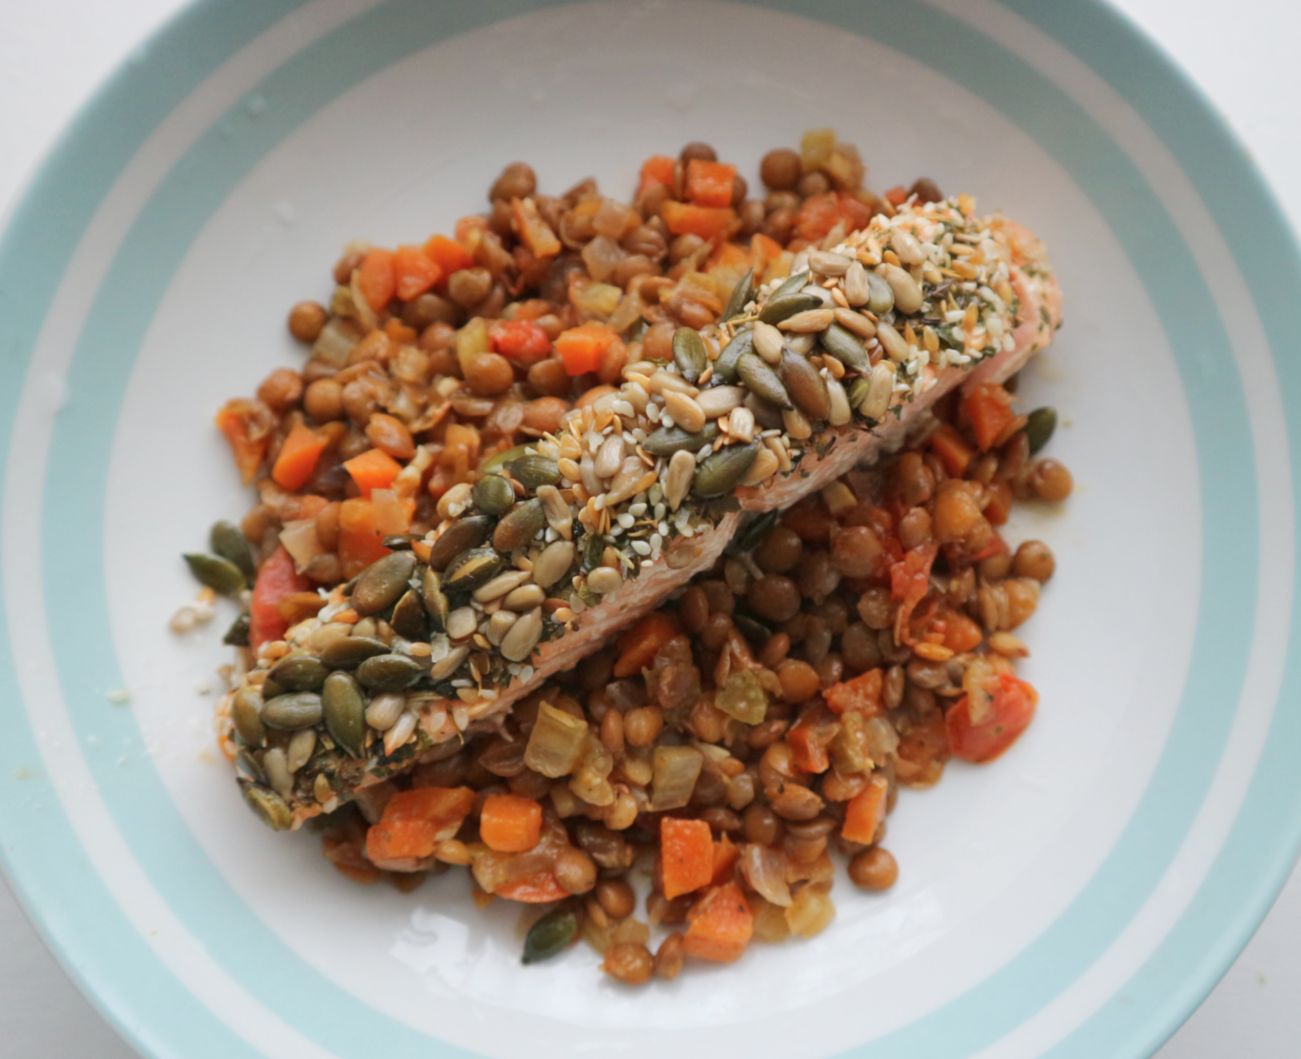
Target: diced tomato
522	341
819	214
954	453
657	169
863	693
810	737
988	407
710	183
533	889
1011	710
277	578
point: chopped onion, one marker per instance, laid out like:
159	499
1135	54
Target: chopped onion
390	512
764	869
675	770
743	696
556	742
601	256
299	539
335	341
977	682
810	913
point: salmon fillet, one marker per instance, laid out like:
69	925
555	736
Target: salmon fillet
583	532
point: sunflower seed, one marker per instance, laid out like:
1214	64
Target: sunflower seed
245	711
381	583
719	474
409	619
462	535
761	380
493	495
299	673
609	456
844	347
384	710
520	526
518	644
471	568
828	263
764	467
499	586
855	285
532	471
456	501
839	413
220	575
854	322
685	412
344	709
791	284
880	296
805	385
677	479
557	512
524	597
604	580
742	294
431	595
877	401
292	710
553	563
270	807
499	625
779	309
892	341
740	424
809	322
908	248
907	293
462	622
725	365
668	440
350	653
403	729
389	672
719	400
569	469
689	352
796	424
228	541
767	342
448	665
300	748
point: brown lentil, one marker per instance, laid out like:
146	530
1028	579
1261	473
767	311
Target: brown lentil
874	869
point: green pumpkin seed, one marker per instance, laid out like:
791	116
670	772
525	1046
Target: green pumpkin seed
494	464
462	535
720	473
550	935
593	551
344	708
790	285
270	807
754	631
741	295
847	349
805	384
1039	427
668	440
220	575
761	380
351	652
389	672
237	634
725	365
471	568
752	533
246	712
408	618
299	673
431	594
880	295
858	391
520	526
398	542
247	768
779	309
270	689
493	495
229	542
292	710
689	352
381	583
532	471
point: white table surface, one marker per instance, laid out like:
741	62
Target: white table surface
53	55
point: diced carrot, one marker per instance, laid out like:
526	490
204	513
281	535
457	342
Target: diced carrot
863	692
449	255
414	272
373	469
708	222
896	195
710	183
361	541
376	278
533	231
810	737
641	643
522	341
391	840
533	889
720	925
819	214
509	823
725	857
910	581
277	578
953	452
247	427
728	261
865	811
399	332
581	348
415	821
686	855
657	169
961	633
988	408
297	458
764	250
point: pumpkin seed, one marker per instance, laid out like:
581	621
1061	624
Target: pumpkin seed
299	673
858	390
381	583
220	575
237	634
720	473
389	672
384	710
689	352
753	531
762	380
245	711
790	285
471	568
270	807
767	342
344	709
593	551
719	400
685	411
229	542
678	477
741	296
725	365
805	385
462	535
1039	427
892	341
292	710
855	285
352	652
518	644
493	495
553	563
270	689
448	665
766	416
496	462
779	309
880	295
844	347
668	440
532	471
550	935
907	292
247	769
520	526
300	748
408	618
808	322
431	594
